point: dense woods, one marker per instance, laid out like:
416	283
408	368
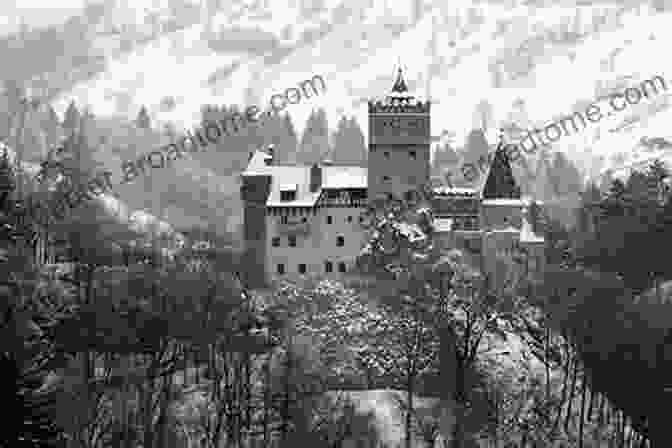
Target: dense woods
126	344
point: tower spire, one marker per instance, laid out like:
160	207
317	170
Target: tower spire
501	184
400	84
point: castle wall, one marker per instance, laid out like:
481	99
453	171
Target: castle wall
315	240
254	191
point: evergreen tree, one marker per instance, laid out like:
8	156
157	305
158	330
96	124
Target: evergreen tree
71	120
445	158
31	422
543	185
606	180
483	115
51	125
143	121
476	148
348	144
315	138
361	152
565	178
14	94
289	142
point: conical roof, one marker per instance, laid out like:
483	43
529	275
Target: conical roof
400	84
500	183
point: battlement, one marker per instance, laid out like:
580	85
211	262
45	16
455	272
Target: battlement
399	105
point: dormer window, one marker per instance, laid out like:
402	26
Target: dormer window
288	193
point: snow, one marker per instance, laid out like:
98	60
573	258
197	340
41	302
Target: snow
364	67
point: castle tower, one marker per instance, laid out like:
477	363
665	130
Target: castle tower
399	143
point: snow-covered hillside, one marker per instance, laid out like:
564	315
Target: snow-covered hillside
574	55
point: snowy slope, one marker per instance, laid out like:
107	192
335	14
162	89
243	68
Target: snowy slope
358	58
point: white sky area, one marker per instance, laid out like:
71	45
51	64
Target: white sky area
36	13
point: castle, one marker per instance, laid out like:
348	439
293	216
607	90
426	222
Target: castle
306	220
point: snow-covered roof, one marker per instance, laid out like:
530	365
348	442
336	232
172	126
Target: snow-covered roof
297	178
507	229
443	224
523	202
289	187
457	191
344	177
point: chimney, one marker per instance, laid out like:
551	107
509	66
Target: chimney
315	178
269	151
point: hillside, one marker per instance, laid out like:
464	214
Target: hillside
596	48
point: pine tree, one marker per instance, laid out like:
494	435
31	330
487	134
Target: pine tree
315	138
71	120
143	121
483	115
14	93
358	142
51	125
476	148
289	142
31	422
445	158
348	144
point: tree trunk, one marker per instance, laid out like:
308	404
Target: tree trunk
284	428
571	397
583	410
460	401
267	401
591	404
409	408
547	363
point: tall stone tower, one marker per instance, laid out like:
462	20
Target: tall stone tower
399	143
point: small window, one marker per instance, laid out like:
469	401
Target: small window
286	196
386	178
387	154
304	219
328	267
341	267
292	241
361	219
340	241
283	219
276	241
329	219
281	269
349	219
302	268
412	154
390	196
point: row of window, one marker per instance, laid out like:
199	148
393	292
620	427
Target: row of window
291	241
411	180
411	154
301	268
330	219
